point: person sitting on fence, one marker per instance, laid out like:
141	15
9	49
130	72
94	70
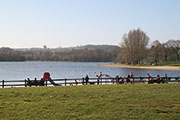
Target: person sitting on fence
46	76
29	82
100	75
127	79
117	79
87	79
131	76
82	81
157	79
76	82
121	80
149	79
41	83
112	80
35	82
165	79
148	75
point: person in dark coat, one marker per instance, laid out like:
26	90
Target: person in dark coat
87	79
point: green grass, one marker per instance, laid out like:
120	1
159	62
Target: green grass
169	63
106	102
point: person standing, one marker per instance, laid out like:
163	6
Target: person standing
35	82
158	79
100	77
100	74
117	79
87	79
131	77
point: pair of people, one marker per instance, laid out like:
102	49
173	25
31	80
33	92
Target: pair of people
85	80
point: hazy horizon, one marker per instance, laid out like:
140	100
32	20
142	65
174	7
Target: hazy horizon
62	23
56	47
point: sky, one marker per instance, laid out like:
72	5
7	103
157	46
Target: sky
69	23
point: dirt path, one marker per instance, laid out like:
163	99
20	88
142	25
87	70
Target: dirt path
143	67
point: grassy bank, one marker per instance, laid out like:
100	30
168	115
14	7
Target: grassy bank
108	102
169	63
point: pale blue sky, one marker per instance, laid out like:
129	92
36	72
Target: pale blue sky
34	23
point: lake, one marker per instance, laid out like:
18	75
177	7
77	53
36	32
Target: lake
23	70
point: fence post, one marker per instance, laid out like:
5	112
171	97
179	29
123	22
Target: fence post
65	81
35	82
46	82
98	80
25	83
3	84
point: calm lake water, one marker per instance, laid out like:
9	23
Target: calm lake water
23	70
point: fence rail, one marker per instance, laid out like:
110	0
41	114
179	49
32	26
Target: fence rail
91	81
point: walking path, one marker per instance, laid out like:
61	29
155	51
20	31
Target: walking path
143	67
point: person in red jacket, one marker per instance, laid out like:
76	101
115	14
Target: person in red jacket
100	74
46	76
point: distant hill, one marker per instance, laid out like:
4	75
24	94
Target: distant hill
89	47
101	47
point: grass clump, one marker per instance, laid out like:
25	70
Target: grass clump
106	102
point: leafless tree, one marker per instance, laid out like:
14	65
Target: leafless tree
165	51
156	52
133	46
175	46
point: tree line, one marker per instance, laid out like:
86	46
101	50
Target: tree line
135	49
78	54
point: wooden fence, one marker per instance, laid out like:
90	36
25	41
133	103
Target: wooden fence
91	81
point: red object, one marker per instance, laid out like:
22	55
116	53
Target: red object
100	74
46	76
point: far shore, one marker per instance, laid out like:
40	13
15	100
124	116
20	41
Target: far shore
142	67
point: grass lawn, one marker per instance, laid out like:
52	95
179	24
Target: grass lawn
92	102
169	63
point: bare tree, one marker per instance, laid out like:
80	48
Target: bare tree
175	46
133	46
165	51
156	51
